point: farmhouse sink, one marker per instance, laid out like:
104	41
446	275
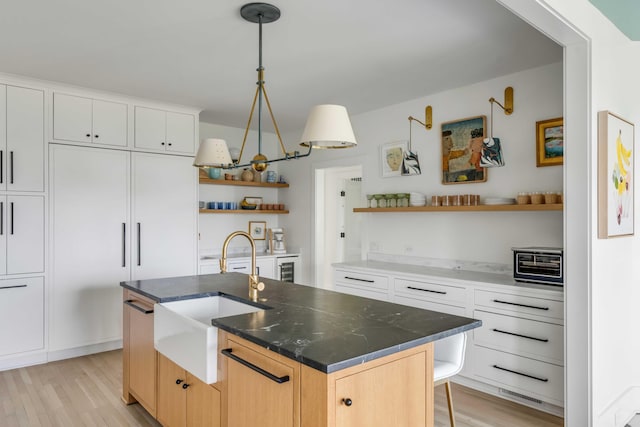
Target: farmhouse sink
183	332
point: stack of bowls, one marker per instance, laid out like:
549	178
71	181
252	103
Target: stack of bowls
417	199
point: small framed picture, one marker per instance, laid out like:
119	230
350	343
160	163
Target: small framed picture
258	230
550	142
391	158
462	142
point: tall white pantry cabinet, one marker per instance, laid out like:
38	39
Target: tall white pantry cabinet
22	221
82	208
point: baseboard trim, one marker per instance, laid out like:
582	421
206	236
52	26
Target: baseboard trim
83	350
22	360
496	391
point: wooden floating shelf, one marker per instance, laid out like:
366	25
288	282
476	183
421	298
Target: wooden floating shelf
243	211
478	208
204	179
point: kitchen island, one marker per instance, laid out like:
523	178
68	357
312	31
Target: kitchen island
347	358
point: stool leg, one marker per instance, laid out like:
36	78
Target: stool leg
447	386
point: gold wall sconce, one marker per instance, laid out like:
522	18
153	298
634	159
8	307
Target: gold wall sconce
428	118
508	101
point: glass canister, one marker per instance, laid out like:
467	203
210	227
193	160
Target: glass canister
402	200
391	200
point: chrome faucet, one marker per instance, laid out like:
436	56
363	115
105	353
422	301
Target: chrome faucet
254	281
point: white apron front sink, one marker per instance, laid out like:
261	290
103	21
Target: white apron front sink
183	332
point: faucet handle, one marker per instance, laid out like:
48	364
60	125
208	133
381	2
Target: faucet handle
260	286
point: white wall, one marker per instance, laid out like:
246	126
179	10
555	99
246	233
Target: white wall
213	228
477	236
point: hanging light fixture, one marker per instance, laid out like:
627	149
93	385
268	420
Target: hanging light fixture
328	126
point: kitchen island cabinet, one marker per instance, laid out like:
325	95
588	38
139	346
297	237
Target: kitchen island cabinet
341	359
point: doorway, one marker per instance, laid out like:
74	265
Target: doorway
337	229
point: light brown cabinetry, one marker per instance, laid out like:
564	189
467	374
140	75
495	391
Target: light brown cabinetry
263	388
184	400
139	355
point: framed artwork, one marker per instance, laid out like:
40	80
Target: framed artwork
258	230
550	142
391	157
462	150
615	175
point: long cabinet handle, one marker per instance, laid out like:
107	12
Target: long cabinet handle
544	380
521	305
139	245
144	310
124	244
1	218
11	219
1	166
13	287
520	335
359	280
427	290
11	167
228	352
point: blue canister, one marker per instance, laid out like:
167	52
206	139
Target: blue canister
219	205
228	205
214	173
271	176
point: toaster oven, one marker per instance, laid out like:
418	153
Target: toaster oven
538	265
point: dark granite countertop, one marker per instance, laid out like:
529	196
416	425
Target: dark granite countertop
323	329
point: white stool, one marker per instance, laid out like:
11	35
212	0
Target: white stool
448	355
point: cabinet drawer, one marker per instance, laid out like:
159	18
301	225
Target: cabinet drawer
539	340
430	291
21	303
520	304
529	377
363	280
239	267
362	292
429	305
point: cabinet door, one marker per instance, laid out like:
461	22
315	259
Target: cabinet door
110	123
25	139
25	234
180	133
21	303
164	216
274	403
3	137
389	395
203	404
172	397
142	354
3	234
72	117
89	188
150	129
266	267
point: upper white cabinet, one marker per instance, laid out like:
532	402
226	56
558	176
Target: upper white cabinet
164	131
88	120
21	139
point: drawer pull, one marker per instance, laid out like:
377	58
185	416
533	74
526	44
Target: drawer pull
521	336
427	290
544	380
228	352
239	268
521	305
130	303
359	280
13	287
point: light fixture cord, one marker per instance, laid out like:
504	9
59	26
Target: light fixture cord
260	83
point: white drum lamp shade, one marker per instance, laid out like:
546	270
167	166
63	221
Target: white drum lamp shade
213	152
328	126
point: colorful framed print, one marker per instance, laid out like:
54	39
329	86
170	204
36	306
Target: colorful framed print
462	142
550	142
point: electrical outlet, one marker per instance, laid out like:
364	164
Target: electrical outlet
408	249
373	246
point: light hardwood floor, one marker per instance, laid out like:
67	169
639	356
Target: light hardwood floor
85	391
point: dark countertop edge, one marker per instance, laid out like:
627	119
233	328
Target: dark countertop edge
359	360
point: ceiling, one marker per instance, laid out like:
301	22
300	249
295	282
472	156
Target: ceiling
624	14
359	53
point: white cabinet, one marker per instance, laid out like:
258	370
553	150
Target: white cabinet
117	216
164	131
265	267
22	315
363	284
21	234
87	120
21	139
164	215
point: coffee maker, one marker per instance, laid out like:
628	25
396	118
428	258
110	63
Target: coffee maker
276	241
